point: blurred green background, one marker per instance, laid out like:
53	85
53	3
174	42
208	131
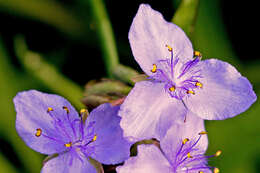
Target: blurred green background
58	46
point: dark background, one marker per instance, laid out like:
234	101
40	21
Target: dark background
227	30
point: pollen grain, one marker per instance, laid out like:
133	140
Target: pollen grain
68	144
203	133
169	47
154	69
49	109
172	88
197	53
198	84
185	140
94	138
66	109
190	92
218	153
38	132
216	170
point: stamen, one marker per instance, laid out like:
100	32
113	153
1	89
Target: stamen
49	109
94	138
169	47
154	69
83	111
68	144
172	88
198	84
189	155
66	109
218	153
197	53
38	132
216	170
203	133
200	172
190	92
185	140
83	116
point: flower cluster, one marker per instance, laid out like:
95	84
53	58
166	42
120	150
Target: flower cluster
181	90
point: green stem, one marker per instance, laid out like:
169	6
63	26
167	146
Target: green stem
106	35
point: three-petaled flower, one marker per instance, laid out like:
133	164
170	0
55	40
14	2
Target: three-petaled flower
181	152
49	124
179	81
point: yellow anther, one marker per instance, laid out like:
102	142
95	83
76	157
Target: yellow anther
83	111
49	109
200	172
218	153
68	144
203	133
94	138
198	84
38	132
172	88
190	92
185	140
154	69
216	170
169	47
188	155
66	109
197	53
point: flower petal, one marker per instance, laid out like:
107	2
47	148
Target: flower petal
149	34
31	108
149	159
225	92
110	147
148	111
179	131
68	163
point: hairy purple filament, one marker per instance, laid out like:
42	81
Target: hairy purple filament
181	79
76	142
188	158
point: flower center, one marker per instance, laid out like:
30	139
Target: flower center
180	79
190	158
70	133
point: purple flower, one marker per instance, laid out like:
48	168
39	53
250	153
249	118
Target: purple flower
178	80
49	124
181	152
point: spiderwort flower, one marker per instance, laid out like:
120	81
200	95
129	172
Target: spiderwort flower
181	152
178	80
49	124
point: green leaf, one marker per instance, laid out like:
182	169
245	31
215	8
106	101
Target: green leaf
48	74
5	166
210	36
186	14
10	84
